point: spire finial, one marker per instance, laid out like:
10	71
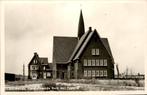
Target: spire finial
81	28
81	6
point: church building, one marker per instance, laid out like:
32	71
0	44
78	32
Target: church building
86	56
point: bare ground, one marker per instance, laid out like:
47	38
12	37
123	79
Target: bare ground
74	85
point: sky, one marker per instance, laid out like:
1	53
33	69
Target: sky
30	27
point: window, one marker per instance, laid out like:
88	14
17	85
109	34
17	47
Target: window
97	51
105	72
93	51
93	73
97	73
101	62
105	62
89	73
93	62
44	75
34	75
48	74
85	62
85	73
101	73
97	62
34	61
34	67
89	62
43	67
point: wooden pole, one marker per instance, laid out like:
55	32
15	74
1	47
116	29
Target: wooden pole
23	72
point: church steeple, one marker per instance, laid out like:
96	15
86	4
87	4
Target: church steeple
81	28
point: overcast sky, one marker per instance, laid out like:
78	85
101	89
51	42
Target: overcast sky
30	27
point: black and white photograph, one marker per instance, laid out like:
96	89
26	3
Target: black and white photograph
58	46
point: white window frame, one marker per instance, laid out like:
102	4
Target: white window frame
97	62
34	67
105	73
97	73
101	62
93	62
44	68
93	51
97	52
105	62
101	73
85	73
93	73
48	74
89	62
34	61
85	62
34	75
44	75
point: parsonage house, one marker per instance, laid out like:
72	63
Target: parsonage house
86	56
39	68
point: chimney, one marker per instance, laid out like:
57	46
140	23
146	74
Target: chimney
90	29
35	53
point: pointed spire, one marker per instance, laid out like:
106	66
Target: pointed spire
81	28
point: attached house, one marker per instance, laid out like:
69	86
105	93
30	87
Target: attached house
39	68
83	57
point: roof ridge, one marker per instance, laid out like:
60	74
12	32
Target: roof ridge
83	45
64	36
43	57
80	42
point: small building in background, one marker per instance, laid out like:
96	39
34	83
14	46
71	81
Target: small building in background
39	68
13	77
9	77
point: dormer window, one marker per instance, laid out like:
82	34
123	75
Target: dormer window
34	62
95	51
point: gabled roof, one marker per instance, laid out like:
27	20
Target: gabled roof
87	39
35	57
63	48
66	49
43	60
107	46
51	66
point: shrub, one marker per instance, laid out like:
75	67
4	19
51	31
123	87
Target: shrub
49	86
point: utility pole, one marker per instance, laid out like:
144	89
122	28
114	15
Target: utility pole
127	72
23	72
